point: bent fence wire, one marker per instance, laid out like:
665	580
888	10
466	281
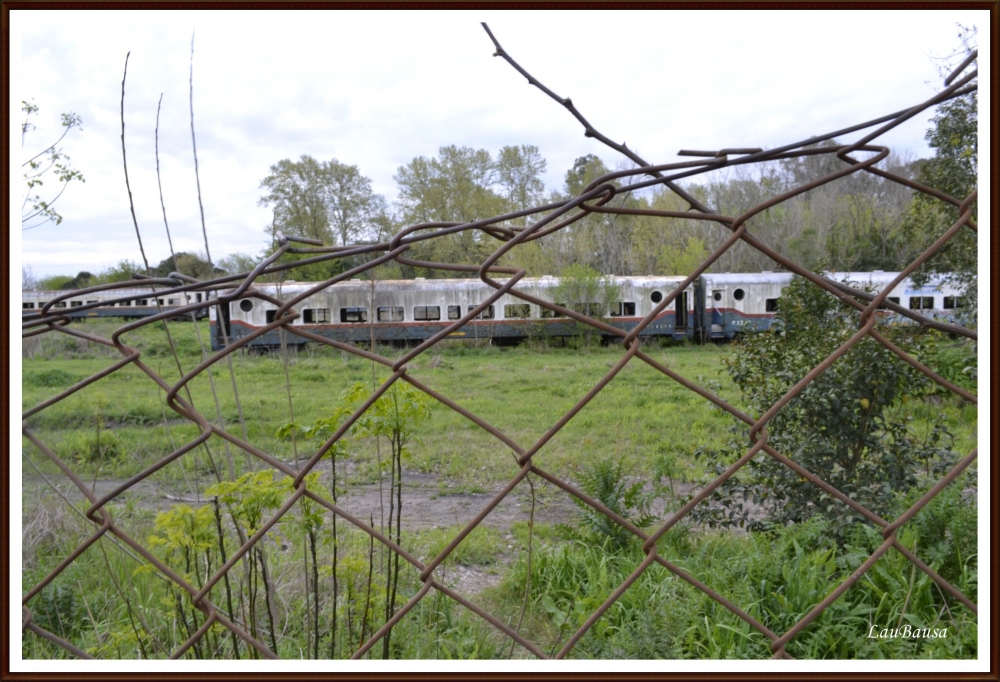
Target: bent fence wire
538	222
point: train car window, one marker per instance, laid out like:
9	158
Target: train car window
389	314
60	304
656	297
160	300
197	298
315	315
739	294
951	302
89	302
485	315
171	301
921	302
142	301
27	305
623	309
893	299
75	304
426	312
771	305
517	310
549	314
354	314
269	316
717	296
454	312
246	305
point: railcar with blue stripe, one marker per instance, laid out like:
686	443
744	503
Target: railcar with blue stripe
413	310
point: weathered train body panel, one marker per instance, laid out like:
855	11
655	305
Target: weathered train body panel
406	310
732	303
936	298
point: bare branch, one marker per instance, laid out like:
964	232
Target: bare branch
589	130
131	204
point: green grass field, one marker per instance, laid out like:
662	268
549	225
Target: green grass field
521	391
120	425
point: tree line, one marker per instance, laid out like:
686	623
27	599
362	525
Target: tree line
858	223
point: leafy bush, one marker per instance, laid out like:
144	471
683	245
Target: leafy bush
958	363
586	291
848	426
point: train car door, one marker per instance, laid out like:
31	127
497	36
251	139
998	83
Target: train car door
738	319
680	312
716	304
223	328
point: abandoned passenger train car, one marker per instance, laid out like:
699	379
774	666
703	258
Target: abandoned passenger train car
412	310
715	307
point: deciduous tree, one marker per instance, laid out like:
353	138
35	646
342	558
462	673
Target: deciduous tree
464	185
36	211
519	171
954	137
585	290
326	200
188	264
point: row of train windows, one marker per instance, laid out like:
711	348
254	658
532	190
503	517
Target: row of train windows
927	302
421	313
28	305
432	313
915	303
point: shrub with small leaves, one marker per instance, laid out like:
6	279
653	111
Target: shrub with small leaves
849	425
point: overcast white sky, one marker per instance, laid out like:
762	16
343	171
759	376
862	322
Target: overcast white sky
378	89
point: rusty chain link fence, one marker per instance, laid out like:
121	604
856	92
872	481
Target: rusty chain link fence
537	223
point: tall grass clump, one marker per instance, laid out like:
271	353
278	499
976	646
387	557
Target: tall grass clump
777	577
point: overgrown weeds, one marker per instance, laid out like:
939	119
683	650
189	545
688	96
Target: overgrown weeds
317	587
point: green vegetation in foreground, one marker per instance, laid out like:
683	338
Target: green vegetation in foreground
777	578
642	420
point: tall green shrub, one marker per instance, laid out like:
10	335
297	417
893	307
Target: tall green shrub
848	426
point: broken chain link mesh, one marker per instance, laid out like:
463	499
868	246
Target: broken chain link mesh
538	222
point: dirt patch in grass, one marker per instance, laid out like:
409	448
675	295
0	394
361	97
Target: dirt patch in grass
427	501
